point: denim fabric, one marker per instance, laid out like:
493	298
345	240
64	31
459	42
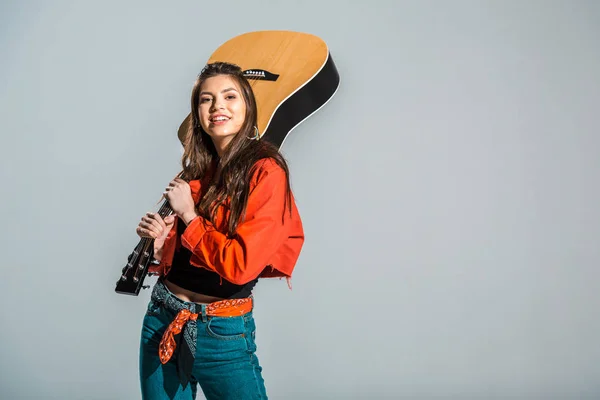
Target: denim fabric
225	368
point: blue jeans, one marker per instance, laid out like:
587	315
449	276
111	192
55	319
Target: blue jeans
225	365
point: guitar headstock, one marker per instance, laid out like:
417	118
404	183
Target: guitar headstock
138	262
136	269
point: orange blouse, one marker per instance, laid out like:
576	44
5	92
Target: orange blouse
267	242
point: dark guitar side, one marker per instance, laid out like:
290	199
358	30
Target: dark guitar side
303	103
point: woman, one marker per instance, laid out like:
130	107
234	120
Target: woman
234	221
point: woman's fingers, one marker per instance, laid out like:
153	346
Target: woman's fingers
156	219
176	183
152	225
148	230
151	222
173	184
145	232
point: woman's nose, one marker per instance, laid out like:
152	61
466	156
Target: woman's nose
217	105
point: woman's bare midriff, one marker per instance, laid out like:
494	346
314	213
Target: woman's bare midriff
188	295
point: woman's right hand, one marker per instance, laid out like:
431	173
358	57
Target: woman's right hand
154	227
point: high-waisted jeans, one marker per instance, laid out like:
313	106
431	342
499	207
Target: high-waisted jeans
225	365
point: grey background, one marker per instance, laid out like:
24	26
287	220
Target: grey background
449	193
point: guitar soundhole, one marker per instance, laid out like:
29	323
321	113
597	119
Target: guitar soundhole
260	75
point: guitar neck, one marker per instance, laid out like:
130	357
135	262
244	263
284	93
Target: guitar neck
136	270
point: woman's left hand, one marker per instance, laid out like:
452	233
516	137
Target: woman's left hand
179	195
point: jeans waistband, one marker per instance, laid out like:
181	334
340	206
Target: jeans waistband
163	296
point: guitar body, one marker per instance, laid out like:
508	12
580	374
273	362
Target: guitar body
292	75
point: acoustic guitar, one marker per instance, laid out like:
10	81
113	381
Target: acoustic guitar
292	75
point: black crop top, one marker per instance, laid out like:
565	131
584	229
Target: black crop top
201	280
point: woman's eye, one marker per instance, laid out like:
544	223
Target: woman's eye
204	100
230	97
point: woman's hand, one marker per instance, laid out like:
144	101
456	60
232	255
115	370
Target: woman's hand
179	195
154	227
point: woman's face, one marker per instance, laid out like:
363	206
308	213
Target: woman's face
221	109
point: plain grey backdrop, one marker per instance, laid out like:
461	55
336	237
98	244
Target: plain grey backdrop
449	193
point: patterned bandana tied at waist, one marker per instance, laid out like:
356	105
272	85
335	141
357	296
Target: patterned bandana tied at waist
184	323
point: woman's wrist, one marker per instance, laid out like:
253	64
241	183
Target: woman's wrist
157	255
188	216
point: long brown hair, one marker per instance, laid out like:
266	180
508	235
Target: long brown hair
235	168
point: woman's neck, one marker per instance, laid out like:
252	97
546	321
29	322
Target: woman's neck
221	145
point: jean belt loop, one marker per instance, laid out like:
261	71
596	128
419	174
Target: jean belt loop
203	307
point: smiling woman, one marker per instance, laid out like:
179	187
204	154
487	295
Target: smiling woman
235	220
222	110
